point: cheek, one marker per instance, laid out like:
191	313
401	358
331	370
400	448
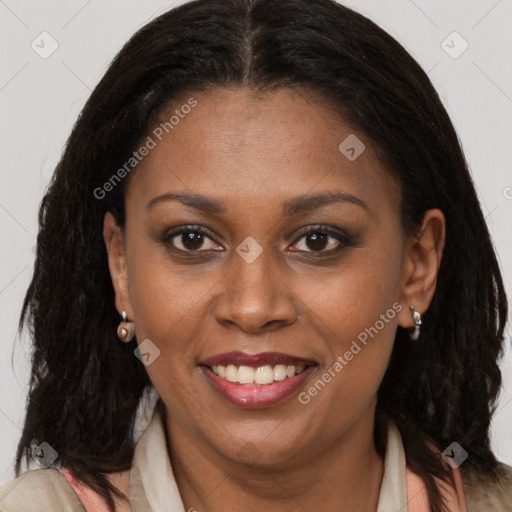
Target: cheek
168	304
346	384
356	310
168	307
353	297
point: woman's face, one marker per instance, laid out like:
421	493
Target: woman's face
278	222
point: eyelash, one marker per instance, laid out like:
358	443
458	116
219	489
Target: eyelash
341	236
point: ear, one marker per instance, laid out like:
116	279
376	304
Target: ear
422	260
113	236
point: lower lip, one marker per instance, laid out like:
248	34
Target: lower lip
256	396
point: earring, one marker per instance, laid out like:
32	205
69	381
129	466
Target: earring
126	330
417	323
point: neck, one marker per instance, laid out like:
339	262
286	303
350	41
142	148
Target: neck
344	476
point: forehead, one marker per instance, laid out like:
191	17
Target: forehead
243	148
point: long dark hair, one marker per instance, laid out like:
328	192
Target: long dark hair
85	384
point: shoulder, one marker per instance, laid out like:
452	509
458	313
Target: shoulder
39	490
489	492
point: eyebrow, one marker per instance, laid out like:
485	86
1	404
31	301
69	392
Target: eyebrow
292	206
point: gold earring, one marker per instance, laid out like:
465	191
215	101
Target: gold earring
417	323
125	330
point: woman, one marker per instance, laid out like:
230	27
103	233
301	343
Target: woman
263	279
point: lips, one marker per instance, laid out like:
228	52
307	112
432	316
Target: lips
256	380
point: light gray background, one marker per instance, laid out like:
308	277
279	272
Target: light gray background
41	98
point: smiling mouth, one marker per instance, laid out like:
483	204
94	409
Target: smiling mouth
256	380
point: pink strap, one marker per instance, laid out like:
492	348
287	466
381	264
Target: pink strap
91	501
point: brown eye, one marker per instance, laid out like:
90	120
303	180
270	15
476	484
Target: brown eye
188	239
321	240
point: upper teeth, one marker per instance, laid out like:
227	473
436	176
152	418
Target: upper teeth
262	375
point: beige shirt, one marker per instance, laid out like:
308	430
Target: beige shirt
153	488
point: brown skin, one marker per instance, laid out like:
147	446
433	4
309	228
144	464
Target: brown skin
253	153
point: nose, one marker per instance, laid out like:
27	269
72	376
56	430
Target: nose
255	296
